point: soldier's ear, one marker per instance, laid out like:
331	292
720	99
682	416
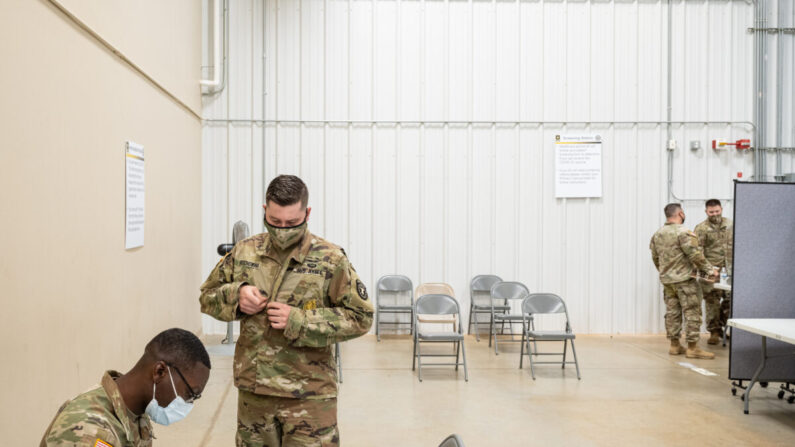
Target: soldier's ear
308	211
159	371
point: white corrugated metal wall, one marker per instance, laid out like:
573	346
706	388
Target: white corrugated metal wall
424	131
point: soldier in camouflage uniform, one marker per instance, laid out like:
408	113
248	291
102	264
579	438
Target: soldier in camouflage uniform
677	256
295	295
101	416
716	237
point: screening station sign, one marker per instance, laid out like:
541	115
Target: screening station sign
135	191
578	166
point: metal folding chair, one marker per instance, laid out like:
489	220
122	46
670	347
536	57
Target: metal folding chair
431	288
502	294
546	303
393	284
442	305
452	441
480	287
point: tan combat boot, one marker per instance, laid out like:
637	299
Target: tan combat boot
676	348
694	352
714	338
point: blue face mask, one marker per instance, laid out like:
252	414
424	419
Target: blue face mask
174	412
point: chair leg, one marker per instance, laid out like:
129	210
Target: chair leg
521	352
563	365
496	348
533	326
457	349
530	357
469	320
414	355
419	360
491	328
377	324
576	363
464	358
411	323
477	327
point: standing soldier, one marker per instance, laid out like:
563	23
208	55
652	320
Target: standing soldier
716	236
677	256
295	295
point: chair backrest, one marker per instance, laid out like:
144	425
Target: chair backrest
452	441
482	284
509	290
430	288
394	284
436	304
544	303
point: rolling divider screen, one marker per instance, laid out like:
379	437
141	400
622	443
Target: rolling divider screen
763	280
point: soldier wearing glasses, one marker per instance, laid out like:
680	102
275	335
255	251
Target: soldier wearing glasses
161	387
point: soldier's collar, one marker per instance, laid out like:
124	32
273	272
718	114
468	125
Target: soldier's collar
127	418
298	253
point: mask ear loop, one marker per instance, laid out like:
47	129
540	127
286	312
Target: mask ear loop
172	383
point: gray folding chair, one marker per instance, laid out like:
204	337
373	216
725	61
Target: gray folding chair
437	304
502	294
546	303
480	287
393	284
452	441
338	359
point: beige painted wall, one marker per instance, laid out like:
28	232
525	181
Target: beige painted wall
75	302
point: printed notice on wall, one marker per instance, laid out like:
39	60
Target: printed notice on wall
578	166
134	221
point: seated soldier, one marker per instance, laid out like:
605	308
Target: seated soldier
162	387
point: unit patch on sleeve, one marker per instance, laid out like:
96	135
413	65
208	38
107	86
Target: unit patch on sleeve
101	443
361	289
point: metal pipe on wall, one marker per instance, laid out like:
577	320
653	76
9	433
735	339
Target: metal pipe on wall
779	90
760	87
216	79
265	90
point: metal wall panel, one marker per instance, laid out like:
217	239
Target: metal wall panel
373	100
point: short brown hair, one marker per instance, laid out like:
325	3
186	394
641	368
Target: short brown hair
713	202
287	190
671	209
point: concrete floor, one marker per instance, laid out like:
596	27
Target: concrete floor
631	393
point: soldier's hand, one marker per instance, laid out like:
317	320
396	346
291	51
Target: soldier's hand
278	313
251	300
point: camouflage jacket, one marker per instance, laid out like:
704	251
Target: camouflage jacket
98	417
717	241
330	305
676	254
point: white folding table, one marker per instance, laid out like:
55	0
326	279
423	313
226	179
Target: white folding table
782	329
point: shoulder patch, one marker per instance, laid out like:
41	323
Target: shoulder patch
101	443
361	290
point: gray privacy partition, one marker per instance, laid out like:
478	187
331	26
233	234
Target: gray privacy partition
763	283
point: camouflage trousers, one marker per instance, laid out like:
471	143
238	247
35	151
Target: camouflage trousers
717	304
683	298
269	421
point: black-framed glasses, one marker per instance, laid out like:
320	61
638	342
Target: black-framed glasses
193	396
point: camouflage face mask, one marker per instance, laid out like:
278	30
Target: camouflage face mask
715	219
285	237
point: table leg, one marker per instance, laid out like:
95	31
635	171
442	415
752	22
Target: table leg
754	379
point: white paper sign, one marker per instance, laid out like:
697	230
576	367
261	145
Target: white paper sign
578	166
134	221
